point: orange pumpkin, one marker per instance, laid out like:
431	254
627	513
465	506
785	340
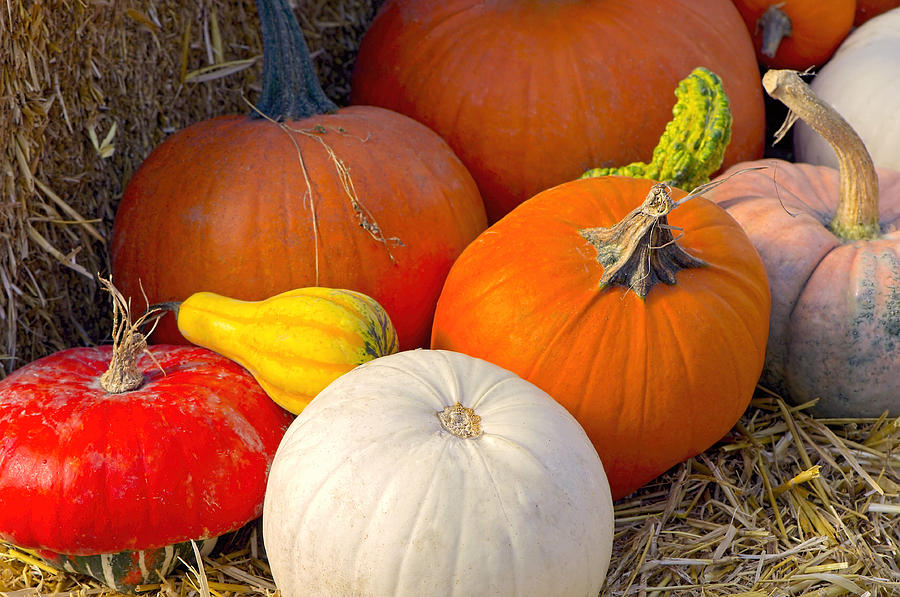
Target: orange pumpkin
830	240
653	379
796	34
359	198
866	9
514	85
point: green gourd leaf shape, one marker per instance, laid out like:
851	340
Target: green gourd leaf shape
693	145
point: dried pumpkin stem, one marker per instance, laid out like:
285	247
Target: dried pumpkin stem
123	374
775	25
856	216
640	250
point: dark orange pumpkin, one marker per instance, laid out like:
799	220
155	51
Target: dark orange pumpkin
796	34
653	379
360	198
830	240
531	93
866	9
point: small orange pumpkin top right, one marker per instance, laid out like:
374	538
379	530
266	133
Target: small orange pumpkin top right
798	34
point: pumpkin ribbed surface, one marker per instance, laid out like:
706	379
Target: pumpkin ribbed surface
294	343
248	227
87	472
835	331
433	474
126	570
531	93
652	380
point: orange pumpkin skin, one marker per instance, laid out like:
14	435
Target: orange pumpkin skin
531	93
817	29
653	381
835	329
223	206
866	9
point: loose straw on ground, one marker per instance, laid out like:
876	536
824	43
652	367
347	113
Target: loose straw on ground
786	505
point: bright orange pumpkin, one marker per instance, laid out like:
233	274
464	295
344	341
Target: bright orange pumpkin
531	93
654	380
830	240
359	198
796	34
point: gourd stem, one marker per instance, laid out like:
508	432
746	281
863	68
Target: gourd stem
693	143
640	250
775	25
856	216
290	87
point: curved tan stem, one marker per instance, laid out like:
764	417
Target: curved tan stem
857	211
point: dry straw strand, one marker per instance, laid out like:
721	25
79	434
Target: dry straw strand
85	96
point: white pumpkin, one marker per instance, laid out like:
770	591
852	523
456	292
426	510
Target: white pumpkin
861	82
388	483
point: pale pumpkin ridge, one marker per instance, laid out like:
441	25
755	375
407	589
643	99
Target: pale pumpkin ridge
891	320
401	480
803	286
297	445
485	395
439	402
509	527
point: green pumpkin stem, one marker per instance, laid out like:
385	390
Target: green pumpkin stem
290	86
856	217
693	144
640	250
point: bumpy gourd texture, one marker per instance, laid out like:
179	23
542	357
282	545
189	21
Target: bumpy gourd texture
694	142
294	343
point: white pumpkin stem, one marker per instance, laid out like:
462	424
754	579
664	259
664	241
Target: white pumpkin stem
856	216
123	374
461	421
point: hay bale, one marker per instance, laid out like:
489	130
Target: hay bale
87	90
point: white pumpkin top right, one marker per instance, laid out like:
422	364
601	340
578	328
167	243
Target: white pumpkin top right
862	82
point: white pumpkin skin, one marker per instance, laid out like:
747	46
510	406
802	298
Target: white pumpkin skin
370	495
862	82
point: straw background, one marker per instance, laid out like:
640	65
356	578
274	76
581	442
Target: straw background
87	89
786	505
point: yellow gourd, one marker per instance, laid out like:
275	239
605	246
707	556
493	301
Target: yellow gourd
294	343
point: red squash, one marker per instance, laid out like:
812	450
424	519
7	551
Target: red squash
531	93
162	446
359	198
654	376
84	471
